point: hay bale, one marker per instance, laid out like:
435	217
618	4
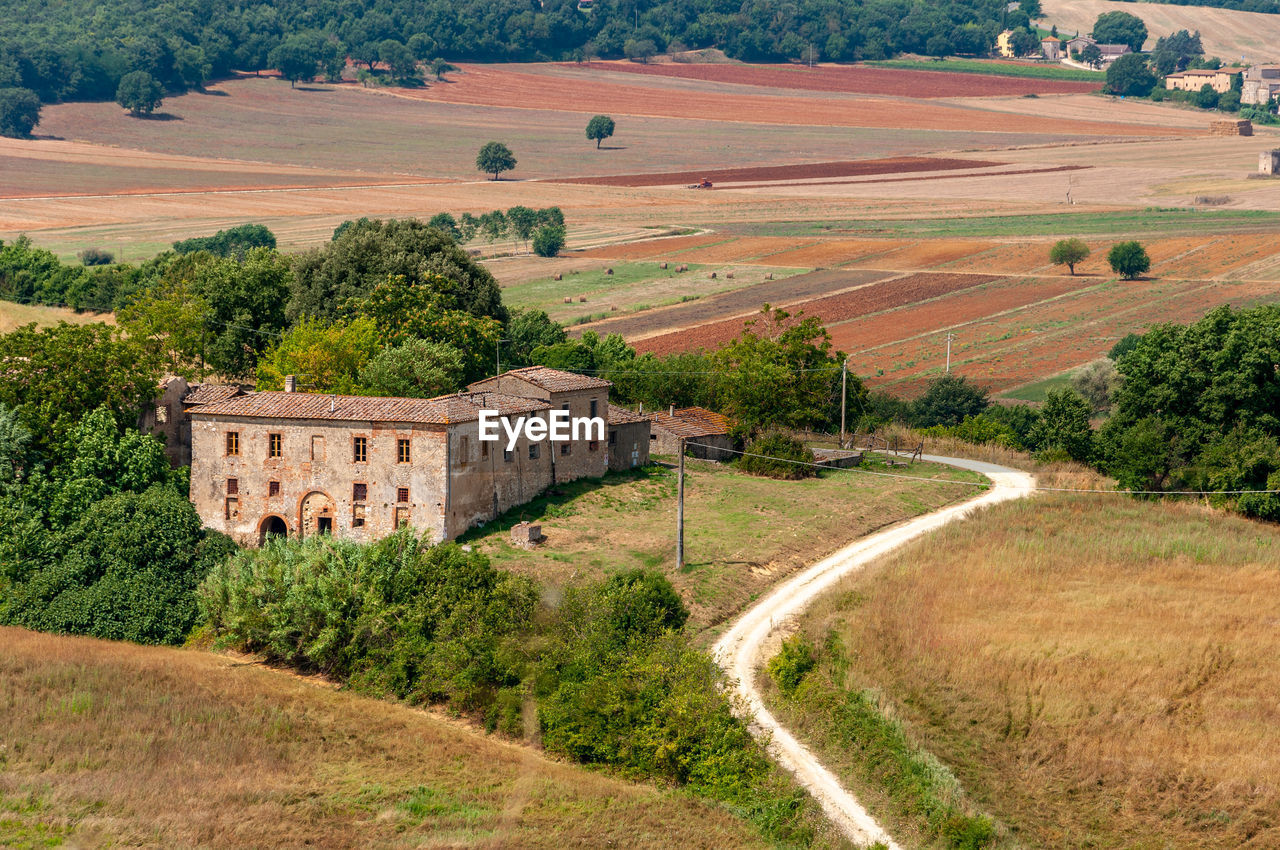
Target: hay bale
713	275
662	266
608	271
582	299
728	275
568	299
558	276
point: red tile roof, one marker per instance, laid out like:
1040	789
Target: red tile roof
692	422
210	393
442	410
622	416
552	380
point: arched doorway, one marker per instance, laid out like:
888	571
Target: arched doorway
272	526
316	514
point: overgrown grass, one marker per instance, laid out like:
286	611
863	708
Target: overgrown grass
1036	392
994	69
1096	671
1164	221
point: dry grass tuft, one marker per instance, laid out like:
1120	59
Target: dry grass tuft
115	744
1098	671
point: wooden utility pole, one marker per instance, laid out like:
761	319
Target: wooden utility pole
950	336
680	510
844	380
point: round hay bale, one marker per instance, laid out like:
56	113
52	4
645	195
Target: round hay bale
713	275
558	276
662	266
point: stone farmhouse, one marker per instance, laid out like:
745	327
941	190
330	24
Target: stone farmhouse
357	467
1260	84
705	432
1196	79
628	439
1110	52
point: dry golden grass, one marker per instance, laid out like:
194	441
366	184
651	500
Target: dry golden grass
16	315
113	744
1098	671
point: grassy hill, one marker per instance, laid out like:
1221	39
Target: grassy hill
105	744
16	315
1225	33
1096	672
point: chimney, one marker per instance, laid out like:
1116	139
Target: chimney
672	411
290	383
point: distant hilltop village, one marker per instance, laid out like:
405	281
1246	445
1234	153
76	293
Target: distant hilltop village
357	467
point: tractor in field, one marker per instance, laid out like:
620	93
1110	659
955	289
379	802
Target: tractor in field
704	184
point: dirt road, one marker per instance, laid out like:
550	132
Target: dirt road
741	650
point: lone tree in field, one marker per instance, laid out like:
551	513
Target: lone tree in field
439	67
19	112
1129	259
139	92
1068	252
600	128
495	158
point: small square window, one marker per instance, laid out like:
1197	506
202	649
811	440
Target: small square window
275	445
533	451
402	494
233	486
273	488
360	449
507	456
594	445
402	451
566	448
359	492
162	414
233	443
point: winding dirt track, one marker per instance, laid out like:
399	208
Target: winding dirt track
739	651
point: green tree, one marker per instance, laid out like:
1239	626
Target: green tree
171	324
1128	259
246	301
446	224
139	92
439	67
599	128
399	61
364	253
325	357
233	241
415	369
1120	28
1064	426
1130	76
521	221
296	58
947	401
528	329
495	158
1206	98
1068	252
494	225
19	112
548	240
1091	55
639	49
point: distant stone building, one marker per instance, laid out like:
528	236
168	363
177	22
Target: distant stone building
1110	52
1051	47
1269	162
166	417
1196	79
1260	84
628	439
705	432
356	467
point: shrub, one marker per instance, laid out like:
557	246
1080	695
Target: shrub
777	455
789	666
19	112
548	240
236	241
95	257
947	401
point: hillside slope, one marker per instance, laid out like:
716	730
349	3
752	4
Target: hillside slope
115	744
1225	33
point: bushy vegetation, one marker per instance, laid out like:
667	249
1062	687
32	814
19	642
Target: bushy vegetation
778	455
31	275
235	241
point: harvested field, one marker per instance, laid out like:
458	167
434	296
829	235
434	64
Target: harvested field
808	171
489	85
738	303
1223	32
865	300
654	248
740	250
927	254
857	79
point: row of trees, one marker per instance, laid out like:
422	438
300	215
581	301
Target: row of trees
1127	259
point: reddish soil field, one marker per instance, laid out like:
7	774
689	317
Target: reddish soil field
863	301
492	85
809	171
649	248
857	79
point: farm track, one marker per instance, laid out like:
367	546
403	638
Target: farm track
805	171
742	650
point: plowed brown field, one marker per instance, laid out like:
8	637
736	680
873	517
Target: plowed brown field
863	301
490	85
807	171
858	79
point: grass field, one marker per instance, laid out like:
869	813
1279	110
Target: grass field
1225	33
957	65
1096	672
16	315
106	744
743	533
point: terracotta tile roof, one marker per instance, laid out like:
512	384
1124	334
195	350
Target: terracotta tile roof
552	380
622	416
692	422
441	410
210	393
507	405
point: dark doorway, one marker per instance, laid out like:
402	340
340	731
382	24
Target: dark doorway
272	526
324	525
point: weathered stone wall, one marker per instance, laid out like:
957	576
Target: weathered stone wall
1269	162
666	443
485	481
164	418
628	445
316	475
580	460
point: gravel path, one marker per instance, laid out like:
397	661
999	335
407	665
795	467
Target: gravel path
740	651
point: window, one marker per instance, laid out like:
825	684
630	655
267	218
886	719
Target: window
359	449
359	492
402	494
507	456
613	438
273	488
484	450
402	517
533	451
402	451
162	414
357	516
317	448
594	445
275	445
595	403
232	508
233	443
565	447
464	450
233	486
